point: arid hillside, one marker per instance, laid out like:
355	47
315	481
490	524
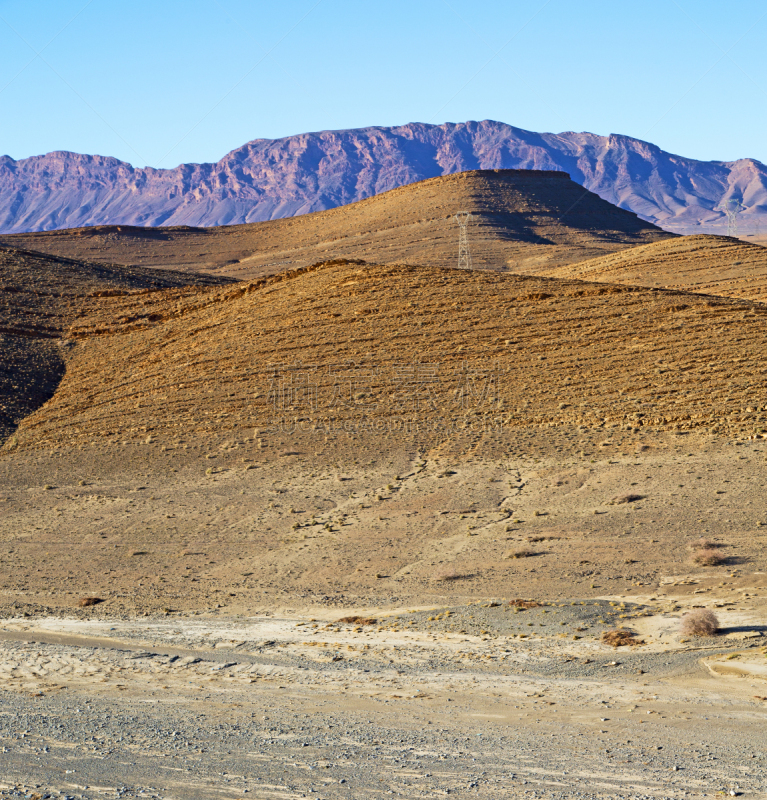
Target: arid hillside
373	346
40	297
716	265
521	220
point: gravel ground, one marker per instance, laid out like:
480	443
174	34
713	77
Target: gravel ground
211	708
510	618
92	749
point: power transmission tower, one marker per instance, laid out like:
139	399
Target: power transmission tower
731	209
464	256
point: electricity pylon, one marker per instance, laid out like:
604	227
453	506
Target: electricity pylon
731	209
464	256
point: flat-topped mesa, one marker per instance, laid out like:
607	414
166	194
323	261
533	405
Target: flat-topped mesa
520	219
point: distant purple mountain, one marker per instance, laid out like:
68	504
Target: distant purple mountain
273	178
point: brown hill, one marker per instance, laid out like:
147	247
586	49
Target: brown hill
716	265
521	219
40	297
382	347
385	436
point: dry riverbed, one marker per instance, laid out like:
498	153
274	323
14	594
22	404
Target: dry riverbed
490	700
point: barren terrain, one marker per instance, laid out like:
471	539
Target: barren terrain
446	355
520	219
358	529
216	663
715	265
40	297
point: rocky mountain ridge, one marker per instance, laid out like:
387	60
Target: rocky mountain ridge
276	178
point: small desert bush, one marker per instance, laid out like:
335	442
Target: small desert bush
84	602
519	554
704	544
452	575
705	553
707	557
700	622
627	498
354	620
523	604
621	637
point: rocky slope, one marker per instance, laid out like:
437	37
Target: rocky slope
40	297
717	265
522	220
372	346
271	179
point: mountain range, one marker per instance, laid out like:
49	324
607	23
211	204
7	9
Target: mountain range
269	179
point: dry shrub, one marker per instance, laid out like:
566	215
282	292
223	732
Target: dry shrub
333	262
84	602
704	544
358	620
520	603
519	554
707	557
627	498
535	539
452	575
621	637
537	296
705	553
701	622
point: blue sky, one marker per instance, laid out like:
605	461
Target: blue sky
164	82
